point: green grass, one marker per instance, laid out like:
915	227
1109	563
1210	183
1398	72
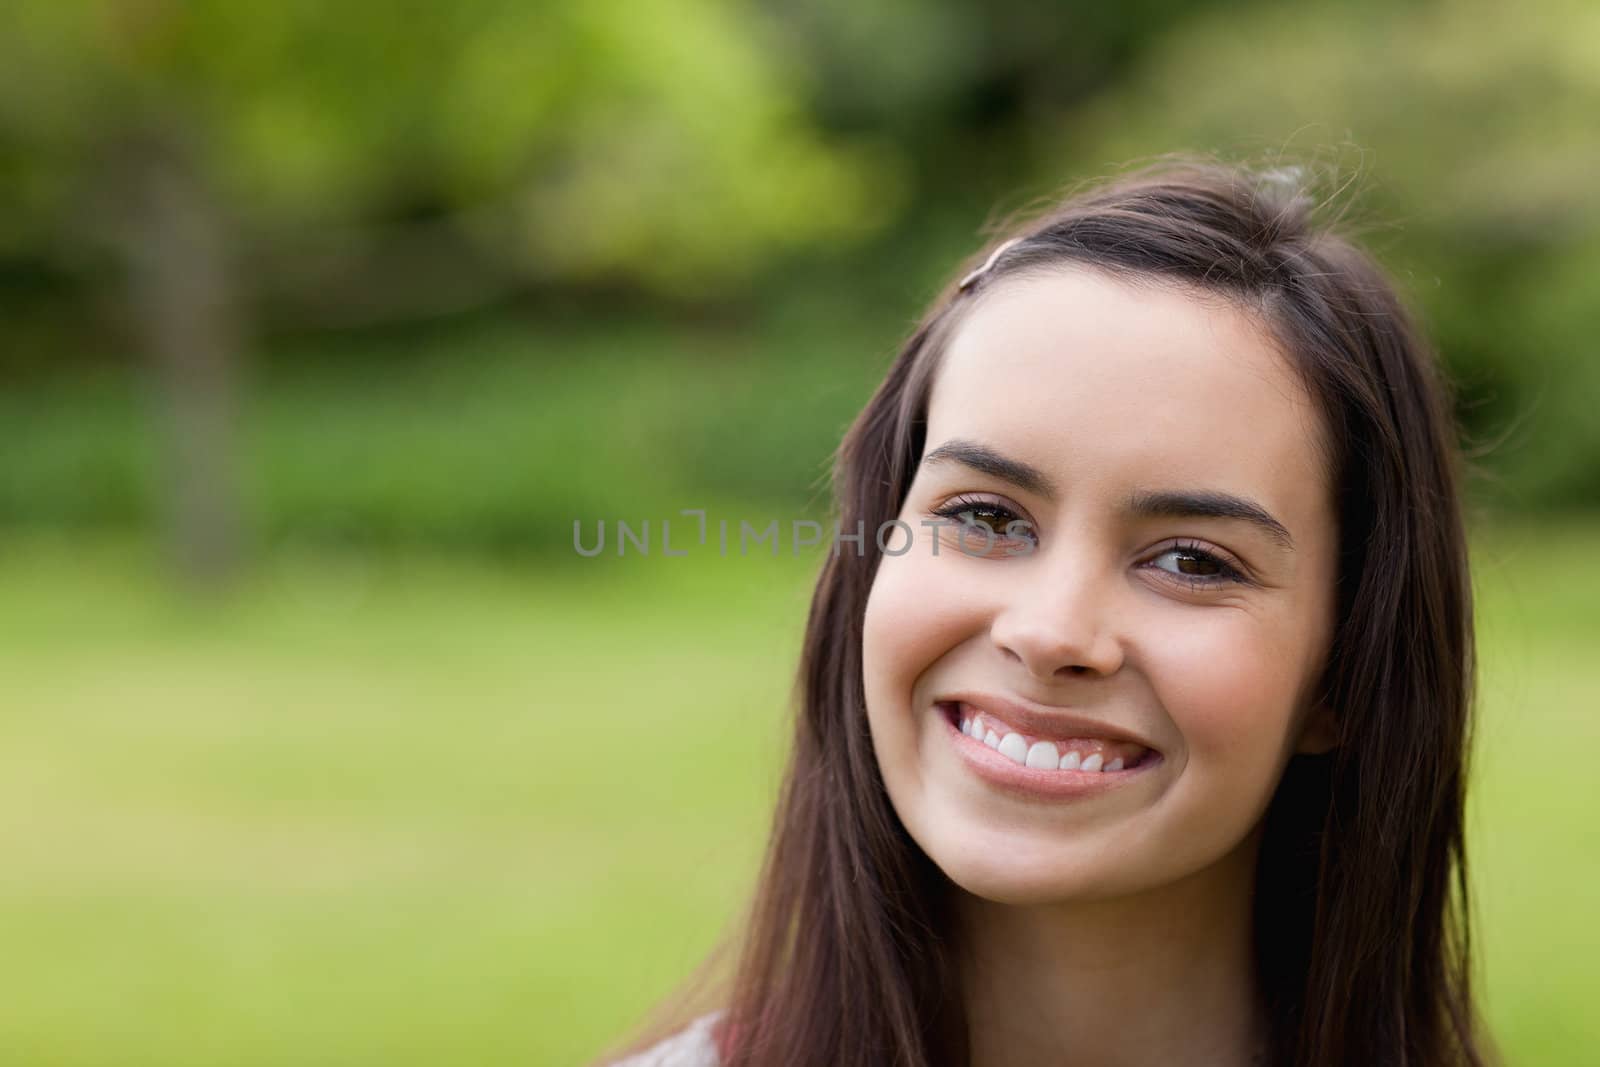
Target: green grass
1535	843
399	809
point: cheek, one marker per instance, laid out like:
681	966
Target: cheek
889	650
1230	682
909	624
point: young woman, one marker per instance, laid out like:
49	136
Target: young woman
1134	729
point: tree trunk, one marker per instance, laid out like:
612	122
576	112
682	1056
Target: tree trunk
185	308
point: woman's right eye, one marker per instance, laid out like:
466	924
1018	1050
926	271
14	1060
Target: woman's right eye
1003	524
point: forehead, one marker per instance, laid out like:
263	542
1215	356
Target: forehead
1109	386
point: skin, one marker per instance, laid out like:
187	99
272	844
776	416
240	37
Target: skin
1111	928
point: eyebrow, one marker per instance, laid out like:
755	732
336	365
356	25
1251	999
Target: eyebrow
1142	503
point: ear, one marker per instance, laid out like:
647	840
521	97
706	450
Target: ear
1319	733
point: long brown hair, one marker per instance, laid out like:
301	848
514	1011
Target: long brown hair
848	957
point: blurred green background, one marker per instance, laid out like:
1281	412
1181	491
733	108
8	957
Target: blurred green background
318	741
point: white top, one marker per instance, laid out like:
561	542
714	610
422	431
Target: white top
690	1047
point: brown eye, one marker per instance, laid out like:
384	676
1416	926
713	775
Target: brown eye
1197	567
1189	563
992	516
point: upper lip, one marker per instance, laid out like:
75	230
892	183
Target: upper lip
1040	719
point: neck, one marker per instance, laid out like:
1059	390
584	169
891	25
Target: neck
1164	976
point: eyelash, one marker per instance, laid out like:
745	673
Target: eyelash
1227	574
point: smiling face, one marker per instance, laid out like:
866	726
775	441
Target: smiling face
1127	619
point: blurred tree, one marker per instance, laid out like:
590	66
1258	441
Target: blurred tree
939	73
961	90
344	164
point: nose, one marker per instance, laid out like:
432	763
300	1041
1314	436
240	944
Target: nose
1057	626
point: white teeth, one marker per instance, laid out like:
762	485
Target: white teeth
1040	755
1043	755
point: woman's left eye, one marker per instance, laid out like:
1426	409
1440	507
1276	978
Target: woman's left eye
1198	567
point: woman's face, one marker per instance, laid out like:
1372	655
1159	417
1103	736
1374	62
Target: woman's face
1151	636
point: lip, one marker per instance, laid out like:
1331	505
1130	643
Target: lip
1035	782
1050	722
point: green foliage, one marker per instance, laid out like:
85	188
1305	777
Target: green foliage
730	158
489	435
654	142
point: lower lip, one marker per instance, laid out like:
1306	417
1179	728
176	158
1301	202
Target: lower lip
1001	771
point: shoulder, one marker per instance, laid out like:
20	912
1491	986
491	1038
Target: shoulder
693	1046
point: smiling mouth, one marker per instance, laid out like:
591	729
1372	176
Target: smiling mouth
1093	755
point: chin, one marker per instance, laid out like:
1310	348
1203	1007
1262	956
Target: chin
1017	869
1025	885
